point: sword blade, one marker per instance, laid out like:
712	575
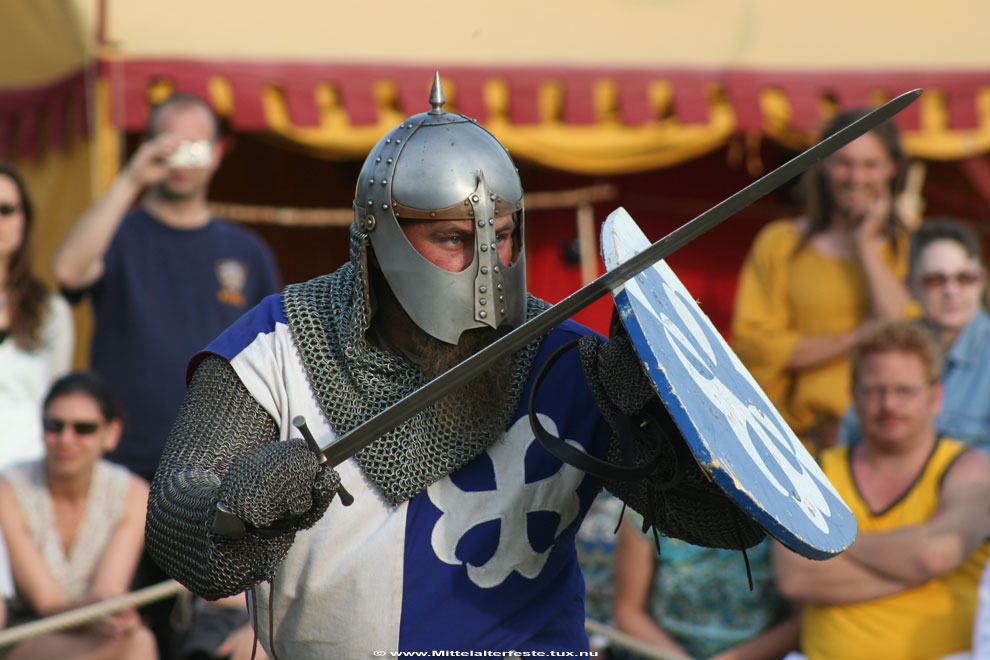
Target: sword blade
361	435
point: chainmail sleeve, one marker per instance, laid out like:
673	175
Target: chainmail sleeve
678	499
219	422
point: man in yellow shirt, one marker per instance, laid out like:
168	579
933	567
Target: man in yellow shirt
907	588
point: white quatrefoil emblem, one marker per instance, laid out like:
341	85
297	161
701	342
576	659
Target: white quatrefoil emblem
509	503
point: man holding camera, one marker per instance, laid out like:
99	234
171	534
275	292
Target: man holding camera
165	277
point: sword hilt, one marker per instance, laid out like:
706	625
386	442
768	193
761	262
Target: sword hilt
300	423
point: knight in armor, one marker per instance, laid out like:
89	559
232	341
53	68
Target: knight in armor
461	534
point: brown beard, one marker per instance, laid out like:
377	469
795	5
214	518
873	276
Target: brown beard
486	394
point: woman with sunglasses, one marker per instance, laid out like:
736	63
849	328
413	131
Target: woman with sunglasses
36	333
74	525
948	279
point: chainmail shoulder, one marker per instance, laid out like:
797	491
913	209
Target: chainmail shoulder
353	380
218	422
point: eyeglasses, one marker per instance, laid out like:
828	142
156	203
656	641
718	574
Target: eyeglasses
9	209
55	425
939	280
897	392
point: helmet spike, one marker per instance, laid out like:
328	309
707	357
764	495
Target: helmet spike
437	97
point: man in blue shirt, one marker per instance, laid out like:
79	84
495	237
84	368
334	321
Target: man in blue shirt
165	277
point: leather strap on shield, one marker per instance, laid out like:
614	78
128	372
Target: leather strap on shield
606	470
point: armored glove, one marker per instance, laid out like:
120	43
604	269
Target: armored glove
224	450
678	498
278	488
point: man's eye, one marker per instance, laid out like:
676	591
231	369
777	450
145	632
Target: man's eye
453	240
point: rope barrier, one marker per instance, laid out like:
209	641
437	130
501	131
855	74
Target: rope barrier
88	613
643	649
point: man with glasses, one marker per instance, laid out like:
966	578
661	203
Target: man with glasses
907	588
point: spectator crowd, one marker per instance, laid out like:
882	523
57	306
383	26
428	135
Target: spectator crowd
864	323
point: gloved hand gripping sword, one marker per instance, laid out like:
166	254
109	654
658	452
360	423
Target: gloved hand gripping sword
227	523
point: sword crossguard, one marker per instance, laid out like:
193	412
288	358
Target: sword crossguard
300	423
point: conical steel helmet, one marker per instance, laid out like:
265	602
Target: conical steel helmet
440	166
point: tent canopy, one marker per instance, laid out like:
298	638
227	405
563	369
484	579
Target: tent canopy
583	86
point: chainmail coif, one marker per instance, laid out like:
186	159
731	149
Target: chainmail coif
354	380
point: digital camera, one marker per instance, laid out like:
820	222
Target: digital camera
190	155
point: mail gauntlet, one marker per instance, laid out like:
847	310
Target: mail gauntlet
675	496
224	449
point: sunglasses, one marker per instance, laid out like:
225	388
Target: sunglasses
9	209
54	425
939	280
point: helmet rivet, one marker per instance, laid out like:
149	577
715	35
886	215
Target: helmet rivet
389	161
499	286
494	246
501	298
474	198
491	221
378	160
471	213
483	301
496	267
398	141
484	248
483	314
481	223
482	288
369	223
384	206
433	214
384	181
467	202
502	312
388	141
491	196
484	270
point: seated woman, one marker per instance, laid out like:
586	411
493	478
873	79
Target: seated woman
74	525
695	602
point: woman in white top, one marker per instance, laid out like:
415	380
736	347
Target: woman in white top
74	525
36	333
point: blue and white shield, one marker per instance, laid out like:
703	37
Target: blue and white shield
734	431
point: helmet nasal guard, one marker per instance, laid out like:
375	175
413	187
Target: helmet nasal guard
442	166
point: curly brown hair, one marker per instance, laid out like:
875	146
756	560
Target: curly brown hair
900	335
27	295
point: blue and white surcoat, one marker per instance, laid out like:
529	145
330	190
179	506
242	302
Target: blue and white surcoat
484	559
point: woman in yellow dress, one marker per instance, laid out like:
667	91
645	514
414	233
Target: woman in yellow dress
810	284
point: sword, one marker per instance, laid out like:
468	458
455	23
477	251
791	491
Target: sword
357	438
